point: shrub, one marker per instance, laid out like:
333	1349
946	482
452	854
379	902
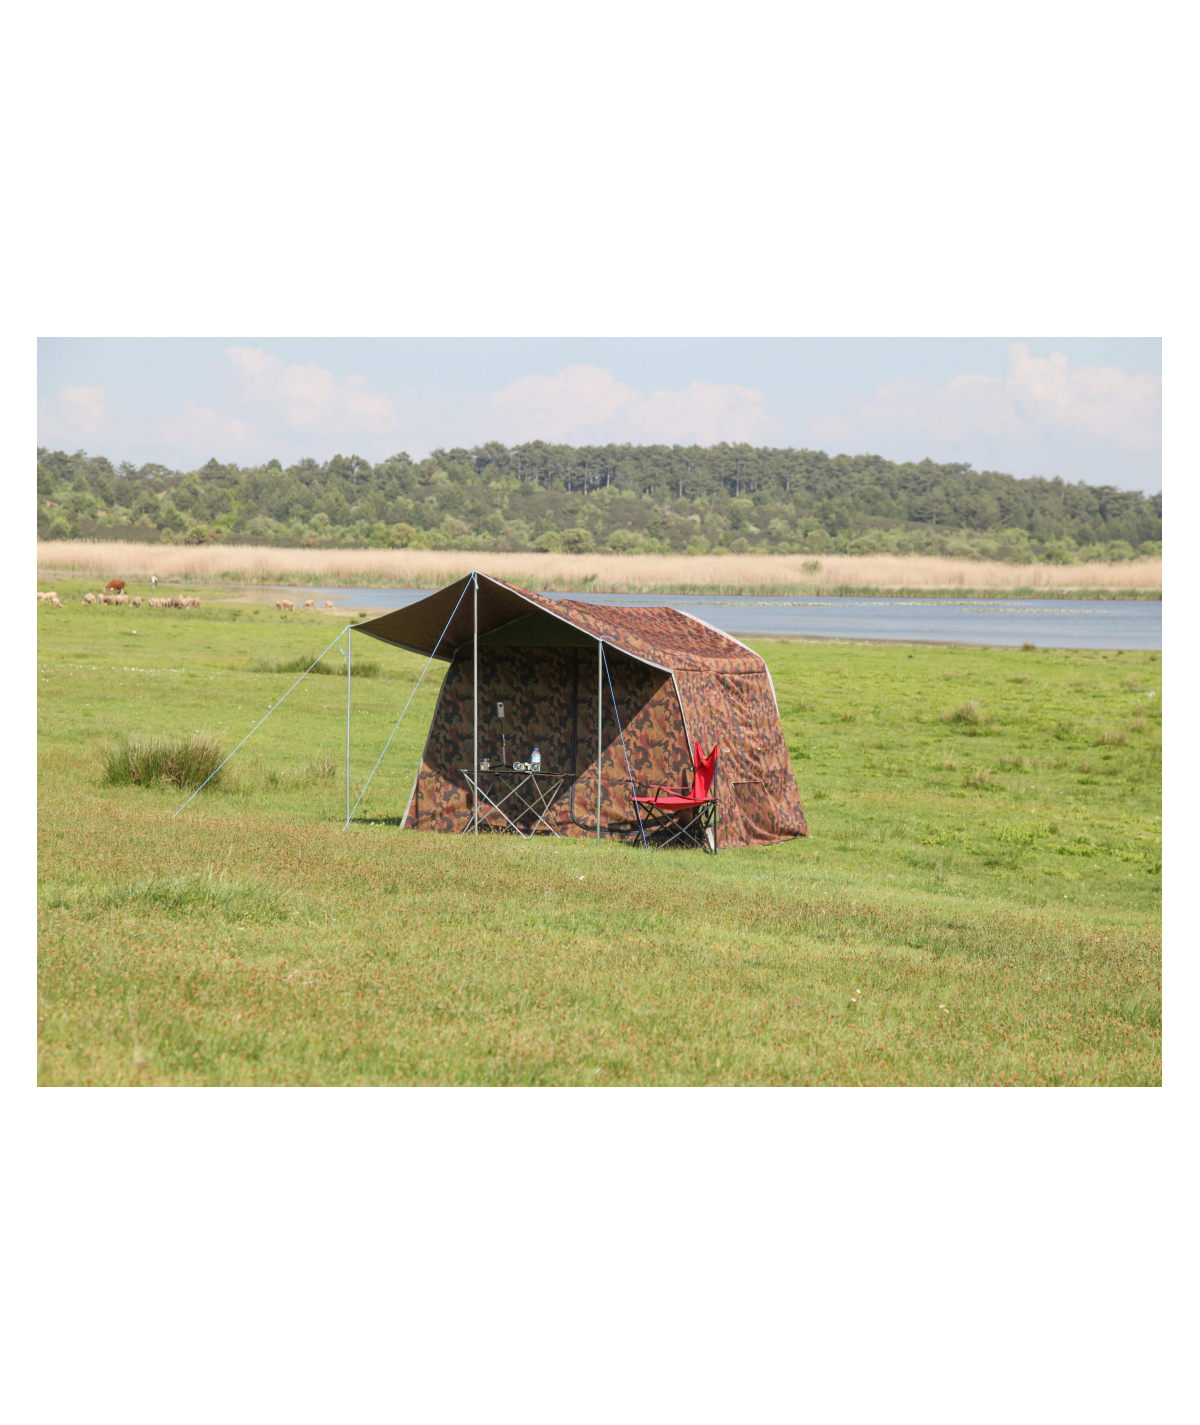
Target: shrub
969	713
162	761
624	541
455	530
982	778
362	667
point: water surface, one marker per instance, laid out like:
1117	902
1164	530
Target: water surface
1049	623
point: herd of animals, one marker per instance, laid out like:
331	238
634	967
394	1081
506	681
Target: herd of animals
114	593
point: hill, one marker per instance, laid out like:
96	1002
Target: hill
627	499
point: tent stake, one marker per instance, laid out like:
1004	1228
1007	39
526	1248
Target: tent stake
349	651
599	727
475	704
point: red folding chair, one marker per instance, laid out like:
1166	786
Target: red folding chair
687	813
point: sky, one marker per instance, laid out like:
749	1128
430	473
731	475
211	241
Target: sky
1083	409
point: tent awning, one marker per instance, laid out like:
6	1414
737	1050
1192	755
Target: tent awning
665	637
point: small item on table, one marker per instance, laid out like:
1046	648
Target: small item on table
535	762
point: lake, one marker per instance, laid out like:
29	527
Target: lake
1049	623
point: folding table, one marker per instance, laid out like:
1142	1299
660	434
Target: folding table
515	796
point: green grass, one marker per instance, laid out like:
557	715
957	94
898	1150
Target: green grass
979	901
178	762
304	663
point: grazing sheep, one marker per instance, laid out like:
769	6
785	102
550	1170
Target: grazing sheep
116	586
307	604
137	603
54	600
89	598
285	605
328	605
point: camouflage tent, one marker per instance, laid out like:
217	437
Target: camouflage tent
622	691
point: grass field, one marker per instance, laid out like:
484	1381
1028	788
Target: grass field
601	573
978	903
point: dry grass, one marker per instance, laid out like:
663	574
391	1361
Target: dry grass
601	573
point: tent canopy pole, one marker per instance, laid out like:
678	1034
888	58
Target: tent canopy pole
599	727
349	653
475	705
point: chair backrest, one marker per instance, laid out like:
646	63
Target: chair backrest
703	771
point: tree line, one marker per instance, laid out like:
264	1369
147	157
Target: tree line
624	498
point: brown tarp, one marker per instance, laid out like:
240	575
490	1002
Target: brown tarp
676	681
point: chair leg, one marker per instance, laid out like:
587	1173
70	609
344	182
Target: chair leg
691	831
700	830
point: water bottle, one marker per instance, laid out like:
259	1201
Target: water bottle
536	759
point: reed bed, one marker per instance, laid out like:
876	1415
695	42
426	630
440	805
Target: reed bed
593	573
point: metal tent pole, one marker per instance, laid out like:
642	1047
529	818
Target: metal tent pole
475	703
599	727
349	651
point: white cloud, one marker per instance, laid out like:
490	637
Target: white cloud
549	407
201	429
587	404
309	398
1098	402
1035	398
79	414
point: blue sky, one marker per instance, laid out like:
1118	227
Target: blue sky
1085	409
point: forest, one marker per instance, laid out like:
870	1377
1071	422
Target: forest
620	498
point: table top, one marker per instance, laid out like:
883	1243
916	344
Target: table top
516	772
